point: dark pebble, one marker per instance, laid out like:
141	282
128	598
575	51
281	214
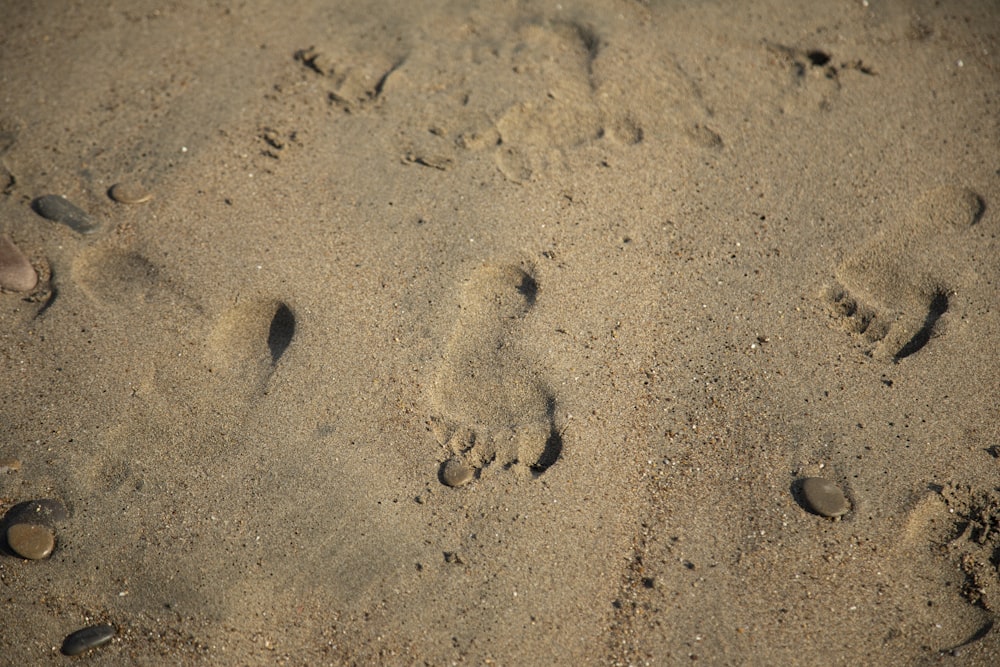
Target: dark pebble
44	512
60	209
824	497
87	638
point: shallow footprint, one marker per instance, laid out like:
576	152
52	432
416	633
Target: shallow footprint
113	276
249	340
897	289
494	405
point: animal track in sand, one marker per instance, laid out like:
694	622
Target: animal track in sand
251	338
896	291
494	405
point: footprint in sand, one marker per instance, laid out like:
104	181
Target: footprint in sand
110	275
896	291
495	408
250	338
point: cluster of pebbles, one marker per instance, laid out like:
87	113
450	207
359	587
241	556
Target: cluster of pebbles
16	271
28	529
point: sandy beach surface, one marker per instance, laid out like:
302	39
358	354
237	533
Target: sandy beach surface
500	333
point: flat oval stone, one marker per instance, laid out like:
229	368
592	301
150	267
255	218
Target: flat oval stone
60	209
31	540
823	497
129	192
454	473
87	638
16	272
45	512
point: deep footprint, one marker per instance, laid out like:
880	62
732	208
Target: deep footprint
896	290
494	406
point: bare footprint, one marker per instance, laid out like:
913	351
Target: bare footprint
113	276
897	290
959	524
494	406
250	338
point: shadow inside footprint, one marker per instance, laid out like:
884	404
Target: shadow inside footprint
937	308
282	329
528	289
553	444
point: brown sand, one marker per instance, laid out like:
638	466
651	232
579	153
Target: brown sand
641	266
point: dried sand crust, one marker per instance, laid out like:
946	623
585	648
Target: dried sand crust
434	333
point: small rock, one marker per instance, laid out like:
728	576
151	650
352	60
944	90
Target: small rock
128	192
60	209
44	512
30	540
16	272
87	638
823	497
454	473
9	464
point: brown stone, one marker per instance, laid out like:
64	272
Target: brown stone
16	272
30	540
129	192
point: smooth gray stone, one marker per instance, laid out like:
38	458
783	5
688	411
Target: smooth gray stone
824	497
456	473
87	638
60	209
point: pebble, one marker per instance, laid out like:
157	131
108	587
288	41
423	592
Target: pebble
60	209
46	512
824	497
16	272
87	638
31	540
129	192
456	473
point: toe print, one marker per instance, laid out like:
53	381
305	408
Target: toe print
495	408
896	291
